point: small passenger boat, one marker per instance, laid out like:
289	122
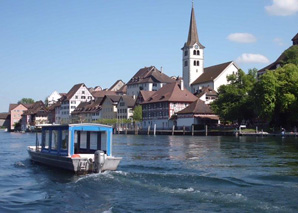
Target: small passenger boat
81	148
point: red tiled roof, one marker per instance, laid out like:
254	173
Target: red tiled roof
171	93
101	94
73	90
206	90
197	107
150	75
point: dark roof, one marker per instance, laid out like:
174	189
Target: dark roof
171	93
122	90
279	60
113	87
211	73
4	115
150	75
146	94
206	90
101	94
37	108
193	37
12	106
113	98
197	107
128	100
73	90
295	38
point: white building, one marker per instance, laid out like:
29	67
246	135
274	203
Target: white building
147	79
69	102
214	76
163	104
192	55
195	76
53	98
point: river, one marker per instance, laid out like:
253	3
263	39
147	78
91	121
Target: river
158	174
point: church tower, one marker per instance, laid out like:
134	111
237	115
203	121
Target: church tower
192	55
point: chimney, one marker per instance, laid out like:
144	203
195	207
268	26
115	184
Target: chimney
161	69
182	84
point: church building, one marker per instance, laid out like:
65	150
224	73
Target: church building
195	76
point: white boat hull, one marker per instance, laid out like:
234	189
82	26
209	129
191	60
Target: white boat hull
79	165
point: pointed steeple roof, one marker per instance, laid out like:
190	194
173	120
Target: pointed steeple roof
193	32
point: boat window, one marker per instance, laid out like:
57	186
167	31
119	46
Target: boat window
64	140
93	140
104	141
46	139
54	144
83	140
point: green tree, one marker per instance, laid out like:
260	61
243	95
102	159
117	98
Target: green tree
137	114
234	102
291	56
26	101
276	96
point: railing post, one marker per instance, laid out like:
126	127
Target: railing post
183	130
154	130
192	130
173	130
148	132
206	130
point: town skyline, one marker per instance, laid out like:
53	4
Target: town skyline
51	46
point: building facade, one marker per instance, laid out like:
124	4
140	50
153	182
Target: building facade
147	79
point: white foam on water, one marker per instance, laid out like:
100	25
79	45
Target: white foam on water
108	211
94	176
177	190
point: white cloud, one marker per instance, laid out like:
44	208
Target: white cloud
279	41
242	37
283	7
248	58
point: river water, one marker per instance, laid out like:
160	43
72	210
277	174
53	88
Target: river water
158	174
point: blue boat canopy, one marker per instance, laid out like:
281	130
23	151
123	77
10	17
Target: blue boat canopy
68	140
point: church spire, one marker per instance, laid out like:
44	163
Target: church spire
193	32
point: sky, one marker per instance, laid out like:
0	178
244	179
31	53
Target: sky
48	46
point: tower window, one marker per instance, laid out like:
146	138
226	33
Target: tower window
194	52
194	63
198	63
198	52
185	63
185	53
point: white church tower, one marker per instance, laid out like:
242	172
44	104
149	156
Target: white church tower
192	55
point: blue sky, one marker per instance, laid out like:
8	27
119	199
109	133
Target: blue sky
52	45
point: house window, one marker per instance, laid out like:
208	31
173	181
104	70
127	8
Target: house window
185	63
83	97
89	97
73	102
155	84
83	92
76	97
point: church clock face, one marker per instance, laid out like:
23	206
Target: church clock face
197	47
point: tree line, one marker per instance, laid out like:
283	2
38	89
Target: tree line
271	99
